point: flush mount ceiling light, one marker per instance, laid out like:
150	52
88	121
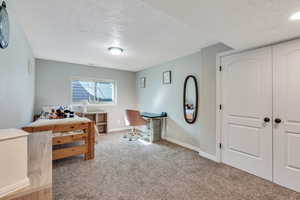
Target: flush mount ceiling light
115	50
295	16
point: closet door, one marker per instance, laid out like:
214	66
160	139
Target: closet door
287	114
247	111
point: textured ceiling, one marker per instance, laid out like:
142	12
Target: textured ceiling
241	24
81	32
150	31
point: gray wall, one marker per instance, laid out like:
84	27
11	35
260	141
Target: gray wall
16	83
157	97
53	87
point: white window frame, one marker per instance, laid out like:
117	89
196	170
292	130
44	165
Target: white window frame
114	102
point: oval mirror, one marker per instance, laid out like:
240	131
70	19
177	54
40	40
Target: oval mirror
190	99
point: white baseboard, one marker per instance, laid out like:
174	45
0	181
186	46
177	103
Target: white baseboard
192	147
208	156
14	187
188	146
118	129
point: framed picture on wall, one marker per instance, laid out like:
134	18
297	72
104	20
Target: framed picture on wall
143	82
167	77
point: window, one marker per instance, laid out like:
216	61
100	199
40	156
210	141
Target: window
93	91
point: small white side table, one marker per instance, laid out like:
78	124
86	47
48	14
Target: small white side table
13	159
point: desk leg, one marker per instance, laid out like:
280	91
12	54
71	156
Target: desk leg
163	128
151	130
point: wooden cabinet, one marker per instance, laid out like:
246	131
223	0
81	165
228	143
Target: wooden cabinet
100	118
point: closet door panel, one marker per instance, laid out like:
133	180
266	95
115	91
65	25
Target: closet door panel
247	101
287	109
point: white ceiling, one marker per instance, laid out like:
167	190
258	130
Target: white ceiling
241	24
81	32
150	31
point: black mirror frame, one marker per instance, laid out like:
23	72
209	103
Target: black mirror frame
184	93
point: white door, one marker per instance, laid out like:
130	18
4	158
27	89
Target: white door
247	102
287	109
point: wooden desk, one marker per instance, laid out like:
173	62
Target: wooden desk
39	169
156	126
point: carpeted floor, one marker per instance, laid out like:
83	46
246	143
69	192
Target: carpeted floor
126	170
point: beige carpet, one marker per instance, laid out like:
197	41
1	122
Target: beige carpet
126	170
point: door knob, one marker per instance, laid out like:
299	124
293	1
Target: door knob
277	120
266	119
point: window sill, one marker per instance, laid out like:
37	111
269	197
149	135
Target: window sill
95	104
102	104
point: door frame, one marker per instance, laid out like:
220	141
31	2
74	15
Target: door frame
219	113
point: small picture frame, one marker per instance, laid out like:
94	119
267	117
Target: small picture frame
167	77
143	82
